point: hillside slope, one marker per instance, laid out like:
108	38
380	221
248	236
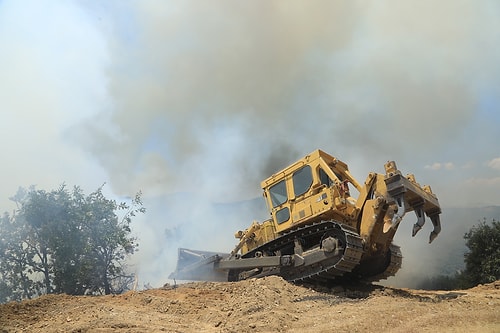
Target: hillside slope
260	305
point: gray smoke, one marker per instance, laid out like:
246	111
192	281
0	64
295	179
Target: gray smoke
235	87
210	99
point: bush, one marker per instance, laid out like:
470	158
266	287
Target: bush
482	261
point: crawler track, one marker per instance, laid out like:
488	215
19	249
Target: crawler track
393	266
334	265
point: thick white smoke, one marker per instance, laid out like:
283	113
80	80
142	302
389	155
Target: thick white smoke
52	76
235	85
210	98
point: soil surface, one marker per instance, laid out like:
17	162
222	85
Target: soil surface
261	305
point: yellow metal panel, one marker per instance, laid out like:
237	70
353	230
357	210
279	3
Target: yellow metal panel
300	214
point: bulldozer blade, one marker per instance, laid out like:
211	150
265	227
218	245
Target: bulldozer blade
195	265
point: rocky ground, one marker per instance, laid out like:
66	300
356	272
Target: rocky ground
261	305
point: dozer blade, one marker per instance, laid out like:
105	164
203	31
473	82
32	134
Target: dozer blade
194	265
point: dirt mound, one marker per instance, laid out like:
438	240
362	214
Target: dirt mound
260	305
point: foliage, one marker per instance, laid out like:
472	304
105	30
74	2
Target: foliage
14	262
444	282
66	242
482	261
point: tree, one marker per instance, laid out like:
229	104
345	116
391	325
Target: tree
108	239
482	261
444	282
66	242
15	271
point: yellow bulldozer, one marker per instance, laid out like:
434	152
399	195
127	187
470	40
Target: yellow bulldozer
318	231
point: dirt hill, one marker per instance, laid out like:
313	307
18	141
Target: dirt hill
261	305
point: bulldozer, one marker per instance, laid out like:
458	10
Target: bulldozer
318	232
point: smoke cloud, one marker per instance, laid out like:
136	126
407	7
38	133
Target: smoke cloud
246	88
52	65
207	100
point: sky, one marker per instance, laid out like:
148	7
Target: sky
208	99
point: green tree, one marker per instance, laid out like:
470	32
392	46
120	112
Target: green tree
15	271
66	242
482	261
442	282
108	240
45	216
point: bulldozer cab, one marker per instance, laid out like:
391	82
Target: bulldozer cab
314	188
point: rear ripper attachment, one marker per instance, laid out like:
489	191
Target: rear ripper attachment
317	231
407	192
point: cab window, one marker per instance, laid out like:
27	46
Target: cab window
278	193
302	180
324	178
282	215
